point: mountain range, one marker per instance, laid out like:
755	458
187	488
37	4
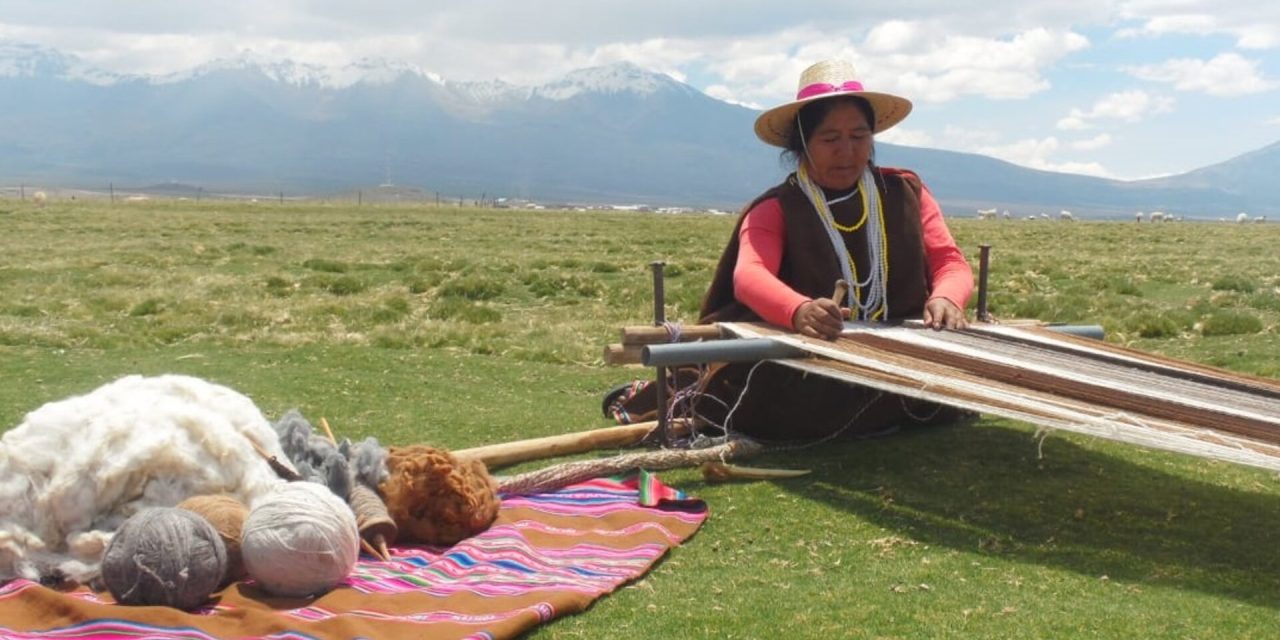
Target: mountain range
611	134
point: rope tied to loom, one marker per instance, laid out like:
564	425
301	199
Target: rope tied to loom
561	475
675	331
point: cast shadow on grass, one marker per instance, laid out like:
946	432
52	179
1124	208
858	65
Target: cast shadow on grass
984	489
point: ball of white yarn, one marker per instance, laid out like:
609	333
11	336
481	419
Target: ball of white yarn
299	540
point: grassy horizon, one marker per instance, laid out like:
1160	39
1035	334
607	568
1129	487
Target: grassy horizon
463	327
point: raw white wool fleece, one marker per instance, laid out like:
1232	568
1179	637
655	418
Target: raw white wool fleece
76	469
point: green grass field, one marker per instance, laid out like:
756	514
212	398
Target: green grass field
462	327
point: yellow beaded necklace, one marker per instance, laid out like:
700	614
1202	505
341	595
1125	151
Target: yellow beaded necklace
857	190
876	306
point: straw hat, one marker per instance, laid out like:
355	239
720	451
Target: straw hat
829	79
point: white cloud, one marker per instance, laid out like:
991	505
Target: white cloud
1274	121
1225	75
1077	121
1129	106
1028	152
1036	153
1092	144
1083	168
969	137
1254	25
942	67
905	136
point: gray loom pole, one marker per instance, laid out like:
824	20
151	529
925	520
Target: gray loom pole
1083	330
738	350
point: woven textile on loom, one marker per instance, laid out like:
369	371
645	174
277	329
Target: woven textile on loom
545	556
1055	381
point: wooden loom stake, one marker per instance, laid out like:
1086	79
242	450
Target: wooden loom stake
659	319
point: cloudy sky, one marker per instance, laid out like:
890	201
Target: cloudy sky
1119	88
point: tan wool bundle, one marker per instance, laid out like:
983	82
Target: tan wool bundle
227	515
164	556
299	540
435	498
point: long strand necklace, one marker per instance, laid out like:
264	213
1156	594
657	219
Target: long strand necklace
857	190
875	306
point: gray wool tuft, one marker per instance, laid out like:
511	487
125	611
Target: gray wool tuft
336	466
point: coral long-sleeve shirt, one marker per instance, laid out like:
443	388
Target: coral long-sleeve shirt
763	235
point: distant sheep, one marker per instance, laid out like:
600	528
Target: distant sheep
1157	216
40	198
986	214
1242	217
1137	217
1260	219
1066	215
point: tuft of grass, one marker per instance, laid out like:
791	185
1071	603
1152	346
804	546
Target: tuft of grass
1264	301
472	287
1159	327
463	310
325	266
148	307
561	285
1234	282
1229	323
341	285
278	286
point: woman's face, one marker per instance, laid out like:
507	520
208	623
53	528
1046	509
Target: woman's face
838	150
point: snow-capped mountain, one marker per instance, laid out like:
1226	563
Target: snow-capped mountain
609	133
19	60
365	70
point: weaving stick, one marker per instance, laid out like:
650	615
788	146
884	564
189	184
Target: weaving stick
567	473
368	548
842	290
281	469
324	424
508	453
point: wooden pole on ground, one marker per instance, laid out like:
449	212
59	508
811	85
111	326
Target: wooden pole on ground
509	453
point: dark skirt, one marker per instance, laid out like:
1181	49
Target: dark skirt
783	403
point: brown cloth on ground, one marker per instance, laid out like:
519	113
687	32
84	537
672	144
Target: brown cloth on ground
544	557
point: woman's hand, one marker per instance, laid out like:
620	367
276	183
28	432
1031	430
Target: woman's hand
820	318
941	313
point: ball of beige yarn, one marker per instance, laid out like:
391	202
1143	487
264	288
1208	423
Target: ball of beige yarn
299	540
227	515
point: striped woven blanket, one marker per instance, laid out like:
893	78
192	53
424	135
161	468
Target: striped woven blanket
545	556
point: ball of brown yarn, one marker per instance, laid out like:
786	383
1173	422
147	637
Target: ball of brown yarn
227	515
164	556
436	498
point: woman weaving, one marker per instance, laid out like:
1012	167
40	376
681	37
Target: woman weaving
838	216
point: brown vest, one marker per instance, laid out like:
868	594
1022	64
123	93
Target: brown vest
810	265
783	403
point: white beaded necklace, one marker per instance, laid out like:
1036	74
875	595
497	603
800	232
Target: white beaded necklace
876	303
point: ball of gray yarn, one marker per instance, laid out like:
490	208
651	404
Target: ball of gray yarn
164	556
